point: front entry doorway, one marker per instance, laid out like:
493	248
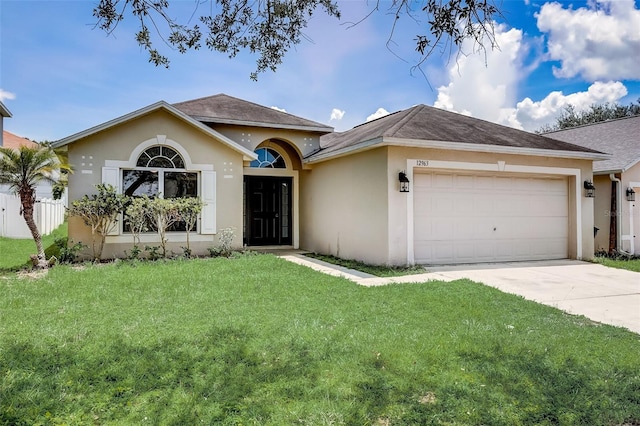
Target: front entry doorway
267	210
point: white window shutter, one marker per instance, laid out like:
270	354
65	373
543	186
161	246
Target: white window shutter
208	196
111	176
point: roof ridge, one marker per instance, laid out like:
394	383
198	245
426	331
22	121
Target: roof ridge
404	120
610	120
278	111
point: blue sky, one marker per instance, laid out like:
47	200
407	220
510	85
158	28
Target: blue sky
59	75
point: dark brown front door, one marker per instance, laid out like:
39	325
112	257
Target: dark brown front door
267	210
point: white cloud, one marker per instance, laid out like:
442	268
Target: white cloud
279	109
597	43
487	90
483	84
530	115
4	95
380	112
336	114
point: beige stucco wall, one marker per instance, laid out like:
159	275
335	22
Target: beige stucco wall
345	198
250	137
629	212
631	209
602	211
343	207
88	156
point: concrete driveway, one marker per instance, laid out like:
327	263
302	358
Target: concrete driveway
602	294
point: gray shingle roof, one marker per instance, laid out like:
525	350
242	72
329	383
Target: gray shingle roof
226	109
424	123
621	138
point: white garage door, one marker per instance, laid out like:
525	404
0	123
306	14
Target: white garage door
469	218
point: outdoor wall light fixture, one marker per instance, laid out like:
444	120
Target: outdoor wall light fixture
589	189
631	194
404	182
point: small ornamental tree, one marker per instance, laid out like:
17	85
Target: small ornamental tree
165	213
23	169
189	209
100	212
137	213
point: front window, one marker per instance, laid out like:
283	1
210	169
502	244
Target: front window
159	175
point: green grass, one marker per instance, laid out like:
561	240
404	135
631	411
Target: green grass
377	270
258	340
15	253
628	264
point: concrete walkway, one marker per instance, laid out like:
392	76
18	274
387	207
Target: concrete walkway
602	294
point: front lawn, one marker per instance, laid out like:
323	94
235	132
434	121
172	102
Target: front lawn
258	340
628	264
15	253
377	270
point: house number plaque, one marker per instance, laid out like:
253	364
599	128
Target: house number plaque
422	163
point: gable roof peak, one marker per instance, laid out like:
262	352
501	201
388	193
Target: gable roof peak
160	105
225	109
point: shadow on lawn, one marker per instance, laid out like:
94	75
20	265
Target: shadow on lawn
216	379
221	378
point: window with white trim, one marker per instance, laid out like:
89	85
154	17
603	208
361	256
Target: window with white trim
268	158
160	172
161	167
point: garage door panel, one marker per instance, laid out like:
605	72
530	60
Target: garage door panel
507	248
464	182
554	227
465	250
442	251
503	205
483	228
443	181
442	206
442	228
481	206
484	182
463	205
466	218
464	230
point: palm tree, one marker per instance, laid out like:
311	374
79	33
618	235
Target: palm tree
23	169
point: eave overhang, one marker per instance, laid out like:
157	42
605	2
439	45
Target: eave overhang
4	111
453	146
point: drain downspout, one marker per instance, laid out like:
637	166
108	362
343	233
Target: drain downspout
618	215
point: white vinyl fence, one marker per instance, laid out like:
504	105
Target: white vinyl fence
48	215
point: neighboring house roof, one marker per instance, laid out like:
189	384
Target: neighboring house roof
4	111
619	137
161	105
224	109
9	140
429	127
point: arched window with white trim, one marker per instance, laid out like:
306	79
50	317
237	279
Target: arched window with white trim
161	167
160	172
268	158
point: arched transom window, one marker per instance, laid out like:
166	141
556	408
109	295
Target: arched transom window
160	156
268	158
